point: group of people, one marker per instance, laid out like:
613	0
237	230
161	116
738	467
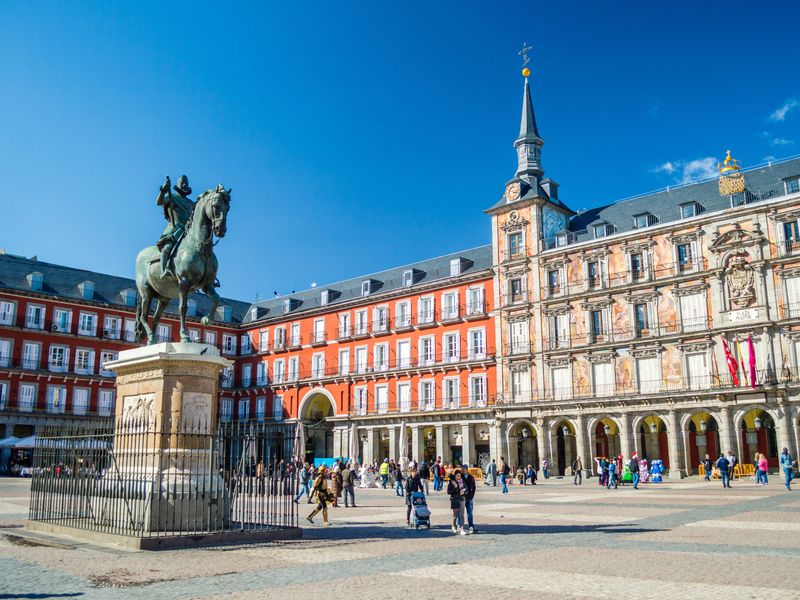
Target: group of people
726	463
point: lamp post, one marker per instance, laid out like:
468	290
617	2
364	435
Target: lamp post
703	425
607	429
759	423
653	428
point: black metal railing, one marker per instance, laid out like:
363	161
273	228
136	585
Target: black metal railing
136	479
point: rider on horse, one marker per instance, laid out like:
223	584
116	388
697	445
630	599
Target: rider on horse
177	210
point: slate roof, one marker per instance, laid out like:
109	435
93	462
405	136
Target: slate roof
761	183
426	271
63	282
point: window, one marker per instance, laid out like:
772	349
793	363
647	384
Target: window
87	290
426	309
475	301
87	324
404	354
344	362
477	391
648	373
80	401
261	373
280	338
62	320
84	361
35	317
515	290
361	359
294	368
191	307
225	410
402	317
56	398
279	371
690	209
105	402
593	275
246	375
427	351
699	372
227	377
30	356
228	343
294	334
519	337
644	220
640	319
365	287
562	383
477	344
381	398
455	267
450	346
792	186
344	325
112	327
603	230
130	331
404	397
791	286
59	358
381	357
318	331
244	409
318	366
361	322
194	335
246	344
163	333
106	357
514	244
7	312
791	236
261	408
603	378
449	306
360	400
27	397
380	319
324	295
693	312
685	257
559	331
210	338
5	353
263	341
3	395
596	323
554	282
637	266
408	277
427	396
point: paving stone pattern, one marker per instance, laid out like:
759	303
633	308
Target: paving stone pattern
673	540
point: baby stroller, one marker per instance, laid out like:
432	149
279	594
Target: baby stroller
422	515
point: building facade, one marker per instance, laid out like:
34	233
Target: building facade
572	334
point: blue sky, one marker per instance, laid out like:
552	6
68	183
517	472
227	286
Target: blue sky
359	136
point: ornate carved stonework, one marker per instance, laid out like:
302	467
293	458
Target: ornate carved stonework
642	298
597	304
686	237
789	272
558	362
600	358
554	264
697	347
649	352
740	279
554	311
517	272
195	409
139	376
638	247
514	222
516	318
692	289
736	239
784	217
519	367
139	410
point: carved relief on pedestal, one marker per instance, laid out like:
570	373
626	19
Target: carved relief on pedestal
740	280
195	410
139	410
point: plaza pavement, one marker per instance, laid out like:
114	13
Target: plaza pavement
673	540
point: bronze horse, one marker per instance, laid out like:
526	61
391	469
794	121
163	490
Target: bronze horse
195	266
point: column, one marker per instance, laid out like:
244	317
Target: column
580	444
625	435
442	443
369	447
467	444
495	441
676	467
393	437
541	445
726	433
417	443
784	430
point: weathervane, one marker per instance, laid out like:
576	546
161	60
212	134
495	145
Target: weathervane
525	58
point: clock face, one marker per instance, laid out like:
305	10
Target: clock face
512	191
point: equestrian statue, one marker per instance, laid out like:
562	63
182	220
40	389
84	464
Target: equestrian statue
182	260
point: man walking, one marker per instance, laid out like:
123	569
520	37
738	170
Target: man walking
469	482
384	472
304	477
505	470
612	479
732	461
724	465
577	470
424	476
633	465
348	486
438	475
492	470
708	467
786	464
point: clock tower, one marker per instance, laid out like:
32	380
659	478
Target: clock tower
528	144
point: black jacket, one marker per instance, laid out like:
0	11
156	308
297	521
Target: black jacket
424	472
469	481
412	484
453	489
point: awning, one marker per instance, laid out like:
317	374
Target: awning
8	442
26	442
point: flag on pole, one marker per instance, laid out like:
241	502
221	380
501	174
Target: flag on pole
739	352
751	350
732	366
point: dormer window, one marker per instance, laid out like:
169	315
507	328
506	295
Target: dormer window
408	277
644	220
224	313
690	209
323	297
191	307
87	290
603	230
287	305
366	287
455	267
792	185
129	297
36	281
253	313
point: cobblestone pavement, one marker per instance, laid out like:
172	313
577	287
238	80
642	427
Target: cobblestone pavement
673	540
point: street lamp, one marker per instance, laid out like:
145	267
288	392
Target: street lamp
565	430
703	425
607	429
430	436
759	423
525	433
653	427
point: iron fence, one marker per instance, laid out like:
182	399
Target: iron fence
138	478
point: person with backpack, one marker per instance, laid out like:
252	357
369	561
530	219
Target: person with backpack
724	466
504	470
304	478
633	465
424	476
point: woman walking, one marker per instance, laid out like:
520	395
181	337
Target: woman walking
457	491
413	484
761	474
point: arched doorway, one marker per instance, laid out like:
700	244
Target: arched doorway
653	440
703	437
607	441
757	434
315	410
523	448
565	446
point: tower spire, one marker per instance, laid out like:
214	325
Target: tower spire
528	144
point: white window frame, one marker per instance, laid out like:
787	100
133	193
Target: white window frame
228	344
8	312
451	353
4	385
243	412
403	388
344	361
427	358
362	366
402	314
293	367
451	391
261	408
361	399
31	360
455	267
112	327
6	352
344	323
263	340
247	375
84	361
56	399
245	343
210	338
382	398
279	370
87	323
450	307
262	372
361	323
79	394
105	403
426	314
226	410
31	310
28	396
380	319
62	320
295	339
472	352
164	333
427	394
380	365
277	407
475	301
408	277
477	391
58	358
105	357
318	365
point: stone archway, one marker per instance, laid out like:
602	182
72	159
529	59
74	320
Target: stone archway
606	437
756	433
315	410
701	433
652	439
523	444
564	446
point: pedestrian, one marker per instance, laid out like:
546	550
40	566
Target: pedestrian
304	477
320	490
424	476
732	462
398	480
545	465
457	491
412	484
348	486
577	471
531	474
787	464
762	468
336	485
492	471
604	463
708	467
438	474
504	470
384	472
469	482
633	465
612	479
724	465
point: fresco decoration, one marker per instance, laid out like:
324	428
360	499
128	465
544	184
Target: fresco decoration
667	315
662	256
620	319
580	377
671	366
553	222
578	324
624	375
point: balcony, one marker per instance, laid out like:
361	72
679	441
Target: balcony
450	314
57	367
360	331
279	346
515	299
319	338
343	333
512	254
476	310
790	311
403	323
426	318
111	334
394	405
263	347
790	247
519	348
556	343
380	327
130	336
295	342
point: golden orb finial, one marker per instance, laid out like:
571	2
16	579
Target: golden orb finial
526	71
729	165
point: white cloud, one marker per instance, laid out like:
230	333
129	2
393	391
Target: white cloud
768	158
780	113
668	167
699	169
781	142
